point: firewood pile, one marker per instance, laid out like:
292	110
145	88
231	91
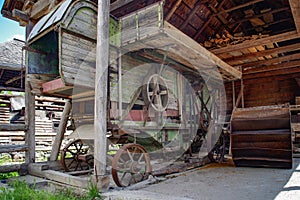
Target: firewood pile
226	39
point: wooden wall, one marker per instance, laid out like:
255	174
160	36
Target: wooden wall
262	91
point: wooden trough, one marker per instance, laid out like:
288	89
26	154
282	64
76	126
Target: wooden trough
261	137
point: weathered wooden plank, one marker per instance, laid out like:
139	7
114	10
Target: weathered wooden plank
12	127
61	131
12	168
260	124
13	148
66	178
100	112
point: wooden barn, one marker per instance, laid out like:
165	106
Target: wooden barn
177	76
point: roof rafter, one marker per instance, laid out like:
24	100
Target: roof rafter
237	7
295	7
278	50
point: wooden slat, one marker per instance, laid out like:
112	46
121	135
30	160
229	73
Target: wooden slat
13	148
278	50
272	61
12	127
259	124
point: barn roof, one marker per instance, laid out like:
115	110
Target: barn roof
11	71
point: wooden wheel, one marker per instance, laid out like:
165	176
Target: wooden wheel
156	93
76	156
130	165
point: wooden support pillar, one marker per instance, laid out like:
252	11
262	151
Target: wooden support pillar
61	131
100	115
29	113
242	89
233	95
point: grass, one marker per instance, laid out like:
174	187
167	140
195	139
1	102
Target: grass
8	175
21	191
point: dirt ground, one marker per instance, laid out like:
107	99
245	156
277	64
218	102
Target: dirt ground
222	182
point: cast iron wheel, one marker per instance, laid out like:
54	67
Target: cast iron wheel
156	93
76	156
130	165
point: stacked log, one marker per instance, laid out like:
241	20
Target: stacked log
226	39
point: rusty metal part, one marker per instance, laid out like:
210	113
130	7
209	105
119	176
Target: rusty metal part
130	165
76	156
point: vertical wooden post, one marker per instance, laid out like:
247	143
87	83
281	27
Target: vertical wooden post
120	84
29	113
100	123
61	131
242	89
233	95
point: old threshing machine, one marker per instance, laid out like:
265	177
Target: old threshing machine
165	93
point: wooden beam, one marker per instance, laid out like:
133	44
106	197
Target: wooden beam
191	15
13	148
53	86
278	72
29	113
101	77
21	16
271	61
39	9
268	52
12	168
12	127
13	80
61	131
118	4
237	7
188	43
259	15
295	7
259	42
172	11
222	19
207	22
286	65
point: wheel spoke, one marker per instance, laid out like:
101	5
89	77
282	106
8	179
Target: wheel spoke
76	166
129	155
80	147
69	165
71	152
123	175
75	144
140	158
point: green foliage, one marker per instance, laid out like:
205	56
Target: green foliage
8	175
21	191
93	191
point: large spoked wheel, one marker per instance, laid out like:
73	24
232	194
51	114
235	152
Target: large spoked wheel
130	165
76	156
156	93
